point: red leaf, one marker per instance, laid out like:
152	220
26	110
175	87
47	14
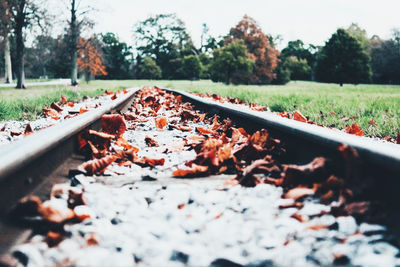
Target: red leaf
354	129
113	124
299	117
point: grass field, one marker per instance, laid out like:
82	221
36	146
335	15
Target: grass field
328	104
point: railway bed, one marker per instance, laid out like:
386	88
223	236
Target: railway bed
136	213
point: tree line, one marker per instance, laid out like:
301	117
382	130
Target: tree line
163	49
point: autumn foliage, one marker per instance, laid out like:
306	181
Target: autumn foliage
259	48
90	59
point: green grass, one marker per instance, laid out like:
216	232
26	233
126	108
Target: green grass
315	100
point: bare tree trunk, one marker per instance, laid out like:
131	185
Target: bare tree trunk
74	44
20	22
7	60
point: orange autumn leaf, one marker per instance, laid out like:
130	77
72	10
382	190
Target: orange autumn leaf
28	129
125	91
299	192
161	122
113	124
285	114
354	129
216	125
97	166
114	97
63	99
195	170
149	162
125	144
297	116
83	110
71	104
204	130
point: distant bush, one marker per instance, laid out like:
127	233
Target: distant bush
148	69
191	67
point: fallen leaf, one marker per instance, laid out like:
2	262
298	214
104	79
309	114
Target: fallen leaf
113	124
125	144
299	117
56	107
195	170
150	142
160	122
372	121
63	99
298	192
97	166
354	129
28	129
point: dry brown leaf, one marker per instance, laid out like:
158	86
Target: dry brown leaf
195	170
299	192
161	122
97	166
28	129
113	124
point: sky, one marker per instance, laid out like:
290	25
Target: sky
312	21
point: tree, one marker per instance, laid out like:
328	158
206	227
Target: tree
231	64
299	50
299	68
117	56
75	26
148	69
191	67
342	60
89	59
5	28
360	35
164	38
259	48
385	62
24	14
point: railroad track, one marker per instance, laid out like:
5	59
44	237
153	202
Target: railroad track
37	162
34	164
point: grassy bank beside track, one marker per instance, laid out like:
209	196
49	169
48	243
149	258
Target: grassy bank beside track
328	104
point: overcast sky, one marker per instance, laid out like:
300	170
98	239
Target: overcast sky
312	21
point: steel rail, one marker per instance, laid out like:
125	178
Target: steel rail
38	161
386	155
16	155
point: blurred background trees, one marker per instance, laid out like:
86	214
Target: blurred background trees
162	48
